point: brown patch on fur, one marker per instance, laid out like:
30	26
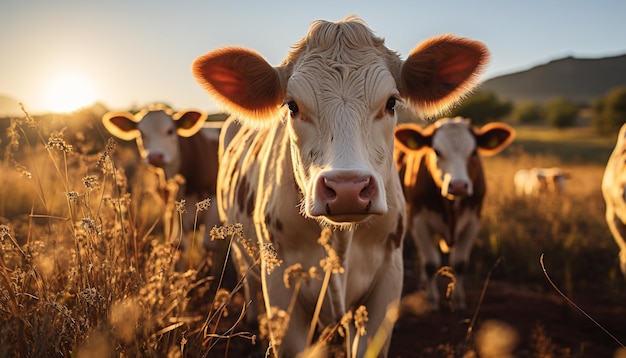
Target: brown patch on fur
279	225
250	203
242	193
397	237
199	164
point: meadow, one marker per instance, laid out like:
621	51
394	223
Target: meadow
84	270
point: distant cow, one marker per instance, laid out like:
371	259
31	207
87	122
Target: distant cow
539	180
179	143
316	151
444	185
614	192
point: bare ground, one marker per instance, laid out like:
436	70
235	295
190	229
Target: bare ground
544	323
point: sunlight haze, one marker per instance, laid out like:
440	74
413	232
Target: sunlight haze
139	52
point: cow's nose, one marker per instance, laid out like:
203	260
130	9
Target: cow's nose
458	187
346	195
156	159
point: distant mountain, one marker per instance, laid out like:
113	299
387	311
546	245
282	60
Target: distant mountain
576	79
9	106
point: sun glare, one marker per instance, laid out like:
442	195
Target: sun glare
69	92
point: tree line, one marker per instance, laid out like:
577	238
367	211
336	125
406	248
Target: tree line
608	112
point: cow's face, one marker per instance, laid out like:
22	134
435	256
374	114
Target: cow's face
158	142
156	130
454	156
340	86
452	151
341	121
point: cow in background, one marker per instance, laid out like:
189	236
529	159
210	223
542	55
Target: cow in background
184	146
444	185
614	193
532	182
314	160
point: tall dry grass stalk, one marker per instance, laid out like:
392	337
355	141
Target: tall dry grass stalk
80	275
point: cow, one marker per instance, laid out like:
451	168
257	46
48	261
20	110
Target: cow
532	182
181	144
444	185
314	155
614	193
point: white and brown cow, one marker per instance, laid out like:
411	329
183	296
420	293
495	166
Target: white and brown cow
535	181
182	144
444	185
316	151
614	192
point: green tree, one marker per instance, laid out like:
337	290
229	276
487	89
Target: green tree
610	111
527	113
483	107
560	112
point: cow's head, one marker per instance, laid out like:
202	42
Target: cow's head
452	147
156	130
337	92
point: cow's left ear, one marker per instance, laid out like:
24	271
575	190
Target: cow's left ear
189	123
440	72
410	137
493	137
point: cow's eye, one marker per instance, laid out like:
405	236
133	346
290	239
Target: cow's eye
390	106
170	132
437	153
293	108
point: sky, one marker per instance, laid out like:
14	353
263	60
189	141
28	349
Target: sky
132	53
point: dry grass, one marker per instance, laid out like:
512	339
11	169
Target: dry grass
569	229
84	270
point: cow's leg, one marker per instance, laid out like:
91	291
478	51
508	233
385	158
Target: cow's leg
294	338
387	290
459	259
618	229
430	259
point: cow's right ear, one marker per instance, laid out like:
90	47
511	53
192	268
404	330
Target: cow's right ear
123	125
189	122
243	82
411	137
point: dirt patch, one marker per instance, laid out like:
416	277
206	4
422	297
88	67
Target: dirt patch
545	324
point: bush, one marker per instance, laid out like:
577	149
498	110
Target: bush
610	111
482	107
527	113
561	113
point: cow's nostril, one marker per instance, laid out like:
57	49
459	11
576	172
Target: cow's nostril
366	192
328	192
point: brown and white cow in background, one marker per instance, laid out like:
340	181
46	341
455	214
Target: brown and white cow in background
182	144
316	151
535	181
444	185
614	193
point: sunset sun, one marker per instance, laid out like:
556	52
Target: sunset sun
68	92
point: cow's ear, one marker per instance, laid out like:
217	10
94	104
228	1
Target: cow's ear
189	122
440	72
123	125
410	137
493	137
241	81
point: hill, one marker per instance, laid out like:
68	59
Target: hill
576	79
